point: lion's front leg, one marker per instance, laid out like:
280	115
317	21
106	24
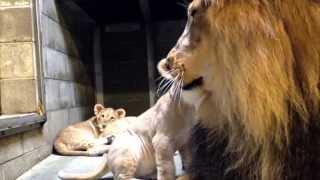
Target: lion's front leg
164	152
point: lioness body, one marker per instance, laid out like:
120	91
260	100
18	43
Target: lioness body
148	145
85	138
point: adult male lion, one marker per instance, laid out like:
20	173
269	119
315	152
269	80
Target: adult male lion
260	62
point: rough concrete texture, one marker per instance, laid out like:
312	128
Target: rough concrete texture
16	25
80	113
18	96
49	168
56	37
14	146
57	120
14	168
59	94
10	148
5	3
16	60
56	64
1	173
32	140
49	8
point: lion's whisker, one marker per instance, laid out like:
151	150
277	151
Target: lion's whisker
165	87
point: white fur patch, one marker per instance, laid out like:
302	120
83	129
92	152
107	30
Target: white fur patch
193	97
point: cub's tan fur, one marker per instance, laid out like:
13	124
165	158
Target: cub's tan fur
84	138
260	61
148	144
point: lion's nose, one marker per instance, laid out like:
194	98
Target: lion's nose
169	63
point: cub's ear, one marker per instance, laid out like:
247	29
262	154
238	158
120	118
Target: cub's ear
121	113
97	108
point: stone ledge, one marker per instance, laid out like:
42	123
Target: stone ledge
49	168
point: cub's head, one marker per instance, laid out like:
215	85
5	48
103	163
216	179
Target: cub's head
105	116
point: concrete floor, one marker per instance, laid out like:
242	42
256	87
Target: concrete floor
49	168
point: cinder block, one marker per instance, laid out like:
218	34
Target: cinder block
49	8
59	94
18	96
80	114
81	94
32	140
16	60
16	25
13	169
66	94
52	94
11	147
58	65
56	121
10	3
1	173
55	64
71	68
56	37
77	70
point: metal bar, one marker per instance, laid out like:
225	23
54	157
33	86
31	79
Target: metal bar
145	10
98	65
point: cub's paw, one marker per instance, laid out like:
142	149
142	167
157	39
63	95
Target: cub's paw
110	139
96	151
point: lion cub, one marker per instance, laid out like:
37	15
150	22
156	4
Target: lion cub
84	138
146	144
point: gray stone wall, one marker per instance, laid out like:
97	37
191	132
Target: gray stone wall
67	51
67	74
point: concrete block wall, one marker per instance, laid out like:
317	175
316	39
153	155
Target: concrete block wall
67	65
67	72
17	57
19	152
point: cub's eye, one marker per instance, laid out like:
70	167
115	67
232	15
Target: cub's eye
102	115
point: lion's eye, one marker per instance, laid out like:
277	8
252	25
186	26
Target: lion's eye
193	12
102	115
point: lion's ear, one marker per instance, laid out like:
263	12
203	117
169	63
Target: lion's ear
98	108
121	113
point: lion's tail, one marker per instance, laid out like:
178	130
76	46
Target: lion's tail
94	174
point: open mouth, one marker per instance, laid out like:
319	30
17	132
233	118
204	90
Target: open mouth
193	84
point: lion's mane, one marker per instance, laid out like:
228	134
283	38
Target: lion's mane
266	86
